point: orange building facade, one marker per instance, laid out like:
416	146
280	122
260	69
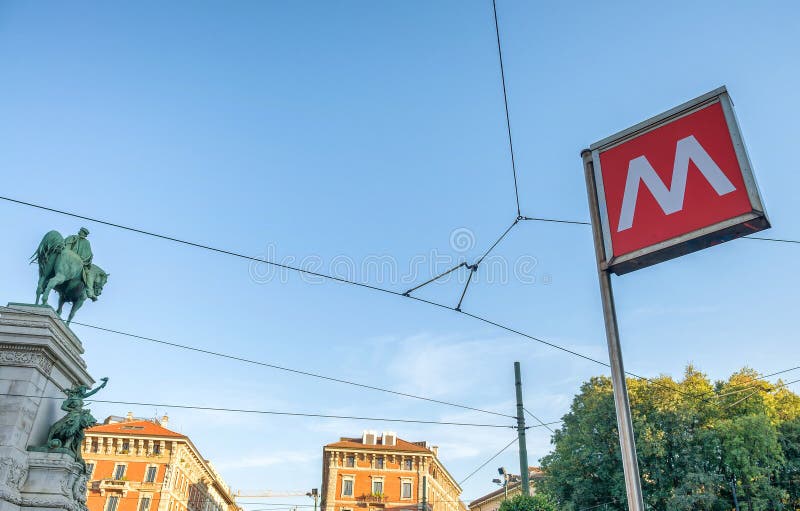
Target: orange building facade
140	465
384	472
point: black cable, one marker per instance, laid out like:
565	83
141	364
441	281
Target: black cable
505	102
454	268
748	396
779	240
498	453
274	366
481	258
206	247
598	505
578	222
555	220
752	383
331	277
472	270
539	420
271	412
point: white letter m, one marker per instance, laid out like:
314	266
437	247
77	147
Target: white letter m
670	199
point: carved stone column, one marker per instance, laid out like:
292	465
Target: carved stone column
39	357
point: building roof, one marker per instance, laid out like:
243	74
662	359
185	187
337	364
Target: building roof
534	473
136	427
401	445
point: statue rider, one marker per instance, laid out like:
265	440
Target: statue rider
81	246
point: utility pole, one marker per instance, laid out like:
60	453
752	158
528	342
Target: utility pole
523	448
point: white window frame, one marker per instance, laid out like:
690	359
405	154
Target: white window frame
410	483
347	461
147	469
382	460
149	498
115	498
352	480
124	471
383	486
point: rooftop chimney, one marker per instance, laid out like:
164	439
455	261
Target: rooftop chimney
369	437
164	420
129	417
435	449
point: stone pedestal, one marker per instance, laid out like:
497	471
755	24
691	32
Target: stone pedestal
39	358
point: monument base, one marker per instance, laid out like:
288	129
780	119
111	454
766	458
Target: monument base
40	357
52	481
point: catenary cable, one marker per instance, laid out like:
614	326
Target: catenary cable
273	366
505	103
321	275
772	389
272	412
498	453
753	382
540	421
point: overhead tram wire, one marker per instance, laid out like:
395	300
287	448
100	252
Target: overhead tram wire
321	275
275	366
579	222
540	421
272	412
505	103
753	382
498	453
773	389
474	316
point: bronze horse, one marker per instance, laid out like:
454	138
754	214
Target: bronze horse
62	269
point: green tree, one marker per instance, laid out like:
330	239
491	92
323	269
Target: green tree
693	438
789	477
537	502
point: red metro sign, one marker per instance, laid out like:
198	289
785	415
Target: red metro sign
675	184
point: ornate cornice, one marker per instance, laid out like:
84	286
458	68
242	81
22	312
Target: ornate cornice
26	356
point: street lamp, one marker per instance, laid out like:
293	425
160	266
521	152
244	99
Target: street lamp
314	493
504	482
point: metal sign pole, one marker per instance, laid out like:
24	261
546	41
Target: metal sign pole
630	465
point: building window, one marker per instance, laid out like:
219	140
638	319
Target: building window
119	472
150	474
405	490
95	446
126	446
350	461
409	464
111	503
156	448
144	504
379	462
347	488
89	469
377	487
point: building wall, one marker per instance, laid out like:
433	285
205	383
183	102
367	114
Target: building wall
443	493
104	453
183	481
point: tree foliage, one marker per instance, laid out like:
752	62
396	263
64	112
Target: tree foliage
537	502
695	440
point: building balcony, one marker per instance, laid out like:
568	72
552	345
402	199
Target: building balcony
104	485
375	498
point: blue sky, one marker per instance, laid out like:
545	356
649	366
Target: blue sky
326	133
